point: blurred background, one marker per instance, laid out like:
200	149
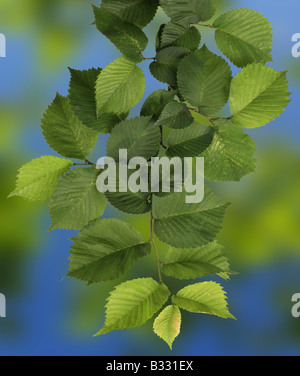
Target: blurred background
48	314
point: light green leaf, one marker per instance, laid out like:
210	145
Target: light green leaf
132	303
205	297
119	87
139	136
106	250
189	142
176	34
230	155
138	12
65	133
76	200
129	39
204	81
265	98
188	11
244	36
175	115
164	69
196	262
82	97
185	225
37	179
156	102
167	324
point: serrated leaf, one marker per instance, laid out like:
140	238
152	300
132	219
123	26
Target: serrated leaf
204	297
244	36
196	262
37	179
65	133
167	324
204	81
156	102
119	87
188	11
164	69
265	98
139	136
185	225
133	303
175	115
138	12
176	34
230	155
82	97
189	142
76	200
129	39
106	250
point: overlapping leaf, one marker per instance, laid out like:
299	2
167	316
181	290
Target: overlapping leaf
138	12
105	251
127	37
188	11
230	155
175	115
133	303
156	102
244	36
196	262
119	87
139	136
37	179
167	324
204	81
177	34
82	97
164	69
205	297
189	142
65	133
76	200
188	226
264	99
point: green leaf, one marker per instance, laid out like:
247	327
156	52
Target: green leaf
132	303
65	133
82	97
189	142
37	179
164	69
265	98
167	324
178	35
185	225
196	262
188	11
244	36
230	155
138	135
119	87
156	102
129	39
205	297
76	200
105	251
204	81
129	202
138	12
175	115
